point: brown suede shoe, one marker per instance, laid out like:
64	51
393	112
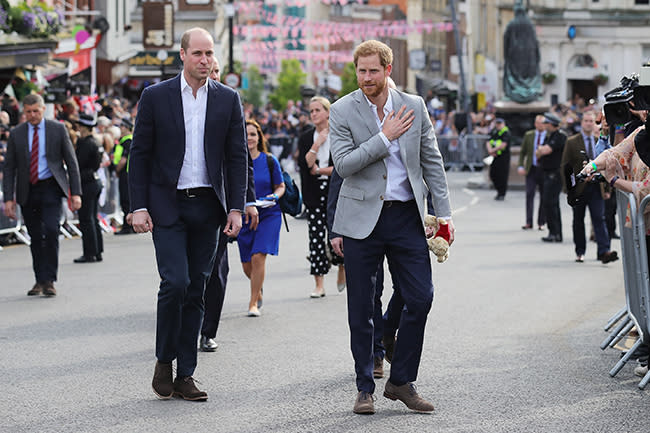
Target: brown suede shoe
378	371
389	347
364	404
185	388
408	395
162	384
48	289
36	290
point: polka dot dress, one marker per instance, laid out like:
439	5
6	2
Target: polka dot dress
321	254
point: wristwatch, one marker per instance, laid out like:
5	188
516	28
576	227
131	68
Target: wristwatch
613	181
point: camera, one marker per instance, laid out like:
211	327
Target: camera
633	93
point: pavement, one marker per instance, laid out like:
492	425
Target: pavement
512	341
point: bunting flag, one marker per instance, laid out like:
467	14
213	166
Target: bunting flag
267	43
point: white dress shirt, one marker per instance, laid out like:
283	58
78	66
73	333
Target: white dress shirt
398	186
194	172
540	136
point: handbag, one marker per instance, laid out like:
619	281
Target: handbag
291	201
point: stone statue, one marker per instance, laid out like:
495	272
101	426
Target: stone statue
522	81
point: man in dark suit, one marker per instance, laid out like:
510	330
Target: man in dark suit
36	153
384	147
579	149
188	139
529	166
215	289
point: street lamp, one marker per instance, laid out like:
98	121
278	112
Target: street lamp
162	56
229	10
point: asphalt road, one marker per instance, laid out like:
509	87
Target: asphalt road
511	344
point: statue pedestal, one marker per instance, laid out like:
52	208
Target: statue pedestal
536	107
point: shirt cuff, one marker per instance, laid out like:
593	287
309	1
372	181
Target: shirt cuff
142	209
250	203
236	210
384	138
446	218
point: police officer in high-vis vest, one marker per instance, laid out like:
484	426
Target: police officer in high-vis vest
498	146
121	164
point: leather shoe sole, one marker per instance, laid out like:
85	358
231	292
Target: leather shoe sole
609	256
36	290
409	396
364	405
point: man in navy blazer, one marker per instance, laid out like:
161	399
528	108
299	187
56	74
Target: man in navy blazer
187	179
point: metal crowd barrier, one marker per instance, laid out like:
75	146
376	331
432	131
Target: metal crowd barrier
464	152
108	211
637	287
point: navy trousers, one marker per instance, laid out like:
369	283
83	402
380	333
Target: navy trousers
593	199
185	252
551	202
92	241
215	290
398	235
534	181
42	215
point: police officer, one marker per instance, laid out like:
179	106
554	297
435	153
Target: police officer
120	162
498	146
550	157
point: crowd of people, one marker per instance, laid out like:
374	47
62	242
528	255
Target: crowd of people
227	183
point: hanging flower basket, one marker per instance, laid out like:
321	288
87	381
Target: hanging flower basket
548	77
600	79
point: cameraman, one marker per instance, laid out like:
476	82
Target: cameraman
578	147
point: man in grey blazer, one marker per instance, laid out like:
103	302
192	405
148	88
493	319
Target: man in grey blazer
36	153
384	147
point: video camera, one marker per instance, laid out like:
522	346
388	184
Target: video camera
633	93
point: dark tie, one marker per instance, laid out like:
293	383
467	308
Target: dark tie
590	148
537	143
33	163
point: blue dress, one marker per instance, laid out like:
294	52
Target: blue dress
266	239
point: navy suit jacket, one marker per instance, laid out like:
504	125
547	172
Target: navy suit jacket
158	149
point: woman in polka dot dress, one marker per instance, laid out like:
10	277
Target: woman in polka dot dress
316	165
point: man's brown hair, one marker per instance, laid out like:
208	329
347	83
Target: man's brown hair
372	47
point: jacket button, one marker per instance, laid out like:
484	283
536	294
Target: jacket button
381	197
384	176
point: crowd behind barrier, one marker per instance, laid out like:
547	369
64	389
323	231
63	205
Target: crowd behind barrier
464	152
637	287
109	213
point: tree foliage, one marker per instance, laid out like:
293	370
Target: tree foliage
290	79
348	79
255	89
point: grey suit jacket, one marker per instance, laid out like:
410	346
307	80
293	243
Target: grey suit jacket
359	152
58	150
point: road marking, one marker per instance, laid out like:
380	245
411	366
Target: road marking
472	202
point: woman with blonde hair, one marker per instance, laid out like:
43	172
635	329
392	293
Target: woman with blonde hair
255	245
316	167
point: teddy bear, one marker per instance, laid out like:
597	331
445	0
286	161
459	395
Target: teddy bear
439	242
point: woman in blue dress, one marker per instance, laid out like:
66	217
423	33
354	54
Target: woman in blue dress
254	245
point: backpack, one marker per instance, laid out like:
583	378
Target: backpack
291	201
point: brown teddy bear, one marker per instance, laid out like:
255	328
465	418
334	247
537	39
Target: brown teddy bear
439	242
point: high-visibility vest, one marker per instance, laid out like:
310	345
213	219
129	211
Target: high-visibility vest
119	150
498	141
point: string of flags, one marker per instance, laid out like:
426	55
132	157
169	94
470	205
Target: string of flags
288	31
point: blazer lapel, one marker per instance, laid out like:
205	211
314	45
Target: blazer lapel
398	102
25	133
366	112
176	106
